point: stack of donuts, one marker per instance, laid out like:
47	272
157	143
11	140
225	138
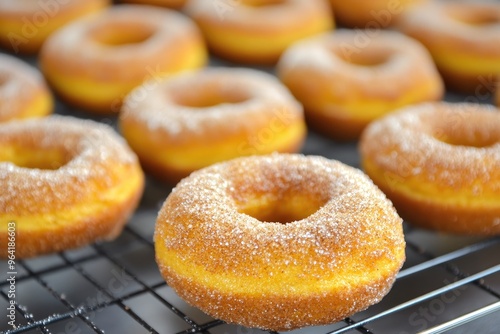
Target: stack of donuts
216	98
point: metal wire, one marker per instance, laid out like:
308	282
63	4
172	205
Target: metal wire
466	318
360	325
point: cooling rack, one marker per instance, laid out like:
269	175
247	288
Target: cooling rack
448	283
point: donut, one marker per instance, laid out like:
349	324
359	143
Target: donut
95	62
370	14
497	94
279	242
462	37
202	117
344	84
258	31
25	25
439	163
175	4
65	183
23	91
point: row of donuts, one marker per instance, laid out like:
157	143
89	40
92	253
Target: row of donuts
84	61
25	26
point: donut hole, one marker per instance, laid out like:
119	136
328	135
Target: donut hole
49	159
464	135
281	209
474	17
364	59
477	140
119	34
262	3
209	98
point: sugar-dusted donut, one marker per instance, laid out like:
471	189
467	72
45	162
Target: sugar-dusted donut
344	84
65	183
176	4
198	118
94	62
370	14
497	94
258	31
25	25
23	91
463	38
279	241
440	165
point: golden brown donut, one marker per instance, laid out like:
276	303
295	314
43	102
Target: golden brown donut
25	25
176	4
440	165
23	91
463	38
258	31
65	183
497	94
370	14
279	242
93	63
348	78
198	118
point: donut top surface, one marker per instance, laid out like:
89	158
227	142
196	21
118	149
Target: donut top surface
456	145
251	13
19	82
341	55
120	34
205	219
464	25
57	157
194	103
30	6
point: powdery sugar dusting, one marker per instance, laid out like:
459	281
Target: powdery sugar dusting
19	84
407	144
154	103
282	16
77	49
342	241
91	150
403	62
438	22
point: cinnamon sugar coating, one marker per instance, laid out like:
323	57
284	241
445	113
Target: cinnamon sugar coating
276	275
345	84
463	38
65	183
198	118
23	91
440	165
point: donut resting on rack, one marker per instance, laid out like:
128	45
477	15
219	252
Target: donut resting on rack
439	163
65	183
279	242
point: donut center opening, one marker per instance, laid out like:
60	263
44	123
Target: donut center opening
475	17
209	98
113	34
262	3
477	141
464	135
364	59
34	158
283	209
